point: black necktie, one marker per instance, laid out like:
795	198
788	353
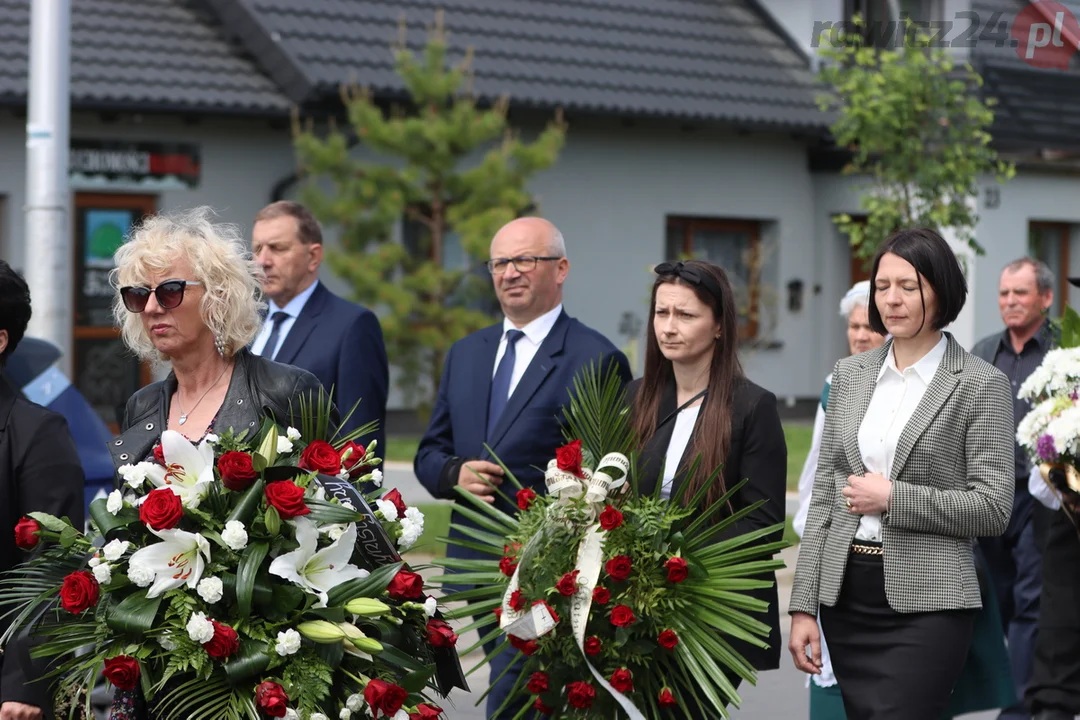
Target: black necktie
270	348
500	384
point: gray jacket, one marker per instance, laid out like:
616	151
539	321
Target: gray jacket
952	481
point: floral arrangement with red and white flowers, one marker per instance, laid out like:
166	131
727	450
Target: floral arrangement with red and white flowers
623	604
230	579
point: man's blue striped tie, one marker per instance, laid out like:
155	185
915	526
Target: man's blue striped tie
500	384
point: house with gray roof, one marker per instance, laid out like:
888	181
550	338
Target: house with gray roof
693	129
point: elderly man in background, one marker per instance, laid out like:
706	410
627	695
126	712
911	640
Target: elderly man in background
308	326
506	386
1025	295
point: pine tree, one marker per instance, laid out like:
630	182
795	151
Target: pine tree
454	170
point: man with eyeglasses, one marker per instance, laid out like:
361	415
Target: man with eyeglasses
338	341
505	386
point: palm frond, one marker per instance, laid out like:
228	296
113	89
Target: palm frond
598	414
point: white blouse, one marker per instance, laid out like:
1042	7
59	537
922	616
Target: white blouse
896	395
680	438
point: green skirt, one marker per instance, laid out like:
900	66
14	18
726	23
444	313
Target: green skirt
985	683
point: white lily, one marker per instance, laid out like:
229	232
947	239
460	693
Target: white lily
178	559
317	571
188	469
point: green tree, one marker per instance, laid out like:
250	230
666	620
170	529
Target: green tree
917	128
454	169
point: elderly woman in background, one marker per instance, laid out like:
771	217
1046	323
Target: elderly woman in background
825	700
188	294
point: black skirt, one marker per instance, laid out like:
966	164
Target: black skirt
890	665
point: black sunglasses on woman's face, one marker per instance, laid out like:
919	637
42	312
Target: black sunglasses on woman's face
169	295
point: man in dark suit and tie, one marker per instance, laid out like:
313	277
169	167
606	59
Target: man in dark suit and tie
308	326
506	386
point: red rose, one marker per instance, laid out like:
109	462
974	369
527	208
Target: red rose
568	458
601	595
351	456
541	708
538	683
622	616
668	639
287	498
567	584
507	566
122	671
162	509
384	697
395	497
610	518
622	680
518	601
80	591
426	712
224	643
271	699
619	567
320	456
580	695
237	473
666	698
440	634
527	647
26	533
525	496
406	586
593	646
159	455
677	571
551	610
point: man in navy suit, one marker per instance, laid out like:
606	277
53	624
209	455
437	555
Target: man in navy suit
308	326
506	386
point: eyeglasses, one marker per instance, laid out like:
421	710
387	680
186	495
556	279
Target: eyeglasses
523	264
169	295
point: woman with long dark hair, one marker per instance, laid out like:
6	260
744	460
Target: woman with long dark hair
916	461
694	402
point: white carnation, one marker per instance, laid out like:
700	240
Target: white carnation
167	642
376	477
94	561
103	573
115	550
210	589
414	514
430	606
400	715
141	574
388	510
134	475
345	714
317	716
199	629
336	531
355	703
410	533
288	642
115	503
291	714
292	434
284	445
234	535
130	498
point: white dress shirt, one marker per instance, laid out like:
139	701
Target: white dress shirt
292	309
680	438
526	347
896	395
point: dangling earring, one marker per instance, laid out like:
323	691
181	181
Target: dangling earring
219	345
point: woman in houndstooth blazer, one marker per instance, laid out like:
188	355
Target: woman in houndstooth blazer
916	460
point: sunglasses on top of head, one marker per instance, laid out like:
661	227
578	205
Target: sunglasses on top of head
169	295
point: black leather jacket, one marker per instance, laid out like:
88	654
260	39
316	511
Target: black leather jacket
258	387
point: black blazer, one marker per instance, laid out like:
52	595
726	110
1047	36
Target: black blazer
40	471
758	452
341	343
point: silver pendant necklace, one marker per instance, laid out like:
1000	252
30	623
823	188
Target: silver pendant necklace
184	415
